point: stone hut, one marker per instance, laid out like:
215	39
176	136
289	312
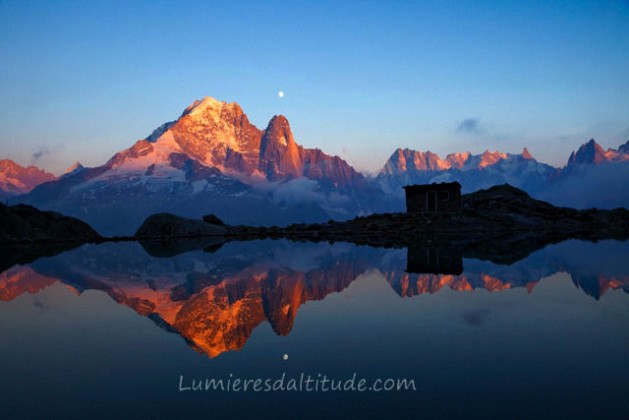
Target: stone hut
442	197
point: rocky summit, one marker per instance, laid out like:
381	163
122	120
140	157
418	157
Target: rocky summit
210	160
165	225
219	134
16	179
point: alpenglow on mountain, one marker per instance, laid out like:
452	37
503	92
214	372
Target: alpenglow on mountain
592	153
592	176
16	179
210	160
220	135
474	172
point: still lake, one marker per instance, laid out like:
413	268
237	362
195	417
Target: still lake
124	329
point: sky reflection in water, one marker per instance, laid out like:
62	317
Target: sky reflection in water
108	330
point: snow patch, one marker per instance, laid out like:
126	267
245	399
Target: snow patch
198	186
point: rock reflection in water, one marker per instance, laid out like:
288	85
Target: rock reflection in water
214	295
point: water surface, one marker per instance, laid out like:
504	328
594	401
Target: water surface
111	330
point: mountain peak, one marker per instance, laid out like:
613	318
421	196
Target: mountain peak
76	166
210	108
279	130
201	105
10	165
219	134
488	158
458	159
526	154
589	153
74	169
17	179
279	154
279	121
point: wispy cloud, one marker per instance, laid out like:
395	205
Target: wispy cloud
470	125
302	190
39	153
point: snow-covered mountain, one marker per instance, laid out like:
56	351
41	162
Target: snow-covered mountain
591	153
16	179
210	160
406	167
219	134
592	177
213	160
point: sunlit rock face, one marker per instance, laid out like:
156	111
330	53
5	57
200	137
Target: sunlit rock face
473	172
210	160
219	134
591	153
592	176
280	156
16	179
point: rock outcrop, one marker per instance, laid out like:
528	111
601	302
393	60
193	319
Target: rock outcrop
166	225
502	211
22	223
16	179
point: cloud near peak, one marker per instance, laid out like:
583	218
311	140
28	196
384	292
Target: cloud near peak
41	152
469	125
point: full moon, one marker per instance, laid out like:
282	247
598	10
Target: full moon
280	93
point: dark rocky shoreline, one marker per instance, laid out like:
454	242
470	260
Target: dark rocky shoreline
491	222
498	211
26	224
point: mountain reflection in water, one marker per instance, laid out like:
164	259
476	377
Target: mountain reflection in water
215	296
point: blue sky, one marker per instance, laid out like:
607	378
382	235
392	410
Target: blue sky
82	80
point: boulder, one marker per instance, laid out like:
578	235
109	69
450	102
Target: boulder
166	225
213	220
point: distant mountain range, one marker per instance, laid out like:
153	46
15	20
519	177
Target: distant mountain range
474	172
210	160
16	179
592	177
213	160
